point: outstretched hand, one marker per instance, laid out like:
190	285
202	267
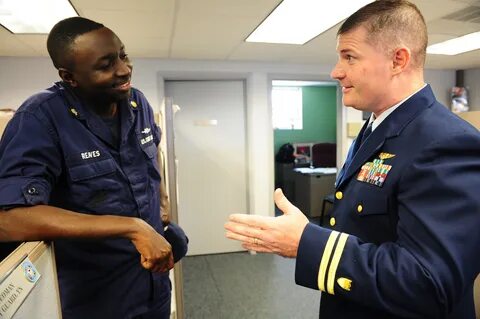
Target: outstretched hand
280	235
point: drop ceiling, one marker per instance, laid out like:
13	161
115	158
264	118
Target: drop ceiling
216	30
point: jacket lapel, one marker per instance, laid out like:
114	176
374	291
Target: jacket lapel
391	127
368	148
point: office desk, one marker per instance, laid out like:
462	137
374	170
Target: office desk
311	187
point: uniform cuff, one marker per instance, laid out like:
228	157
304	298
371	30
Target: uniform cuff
18	191
175	235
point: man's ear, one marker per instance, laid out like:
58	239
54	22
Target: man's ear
67	77
401	60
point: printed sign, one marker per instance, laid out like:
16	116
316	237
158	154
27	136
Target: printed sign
16	287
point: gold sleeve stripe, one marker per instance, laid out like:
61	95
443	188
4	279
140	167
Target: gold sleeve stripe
327	252
332	271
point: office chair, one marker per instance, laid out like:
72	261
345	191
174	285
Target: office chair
327	199
324	155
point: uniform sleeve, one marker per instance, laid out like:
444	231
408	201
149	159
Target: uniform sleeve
435	259
30	161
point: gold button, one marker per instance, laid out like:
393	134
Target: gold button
133	103
332	221
338	195
359	208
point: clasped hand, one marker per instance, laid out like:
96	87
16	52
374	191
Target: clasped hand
280	235
155	251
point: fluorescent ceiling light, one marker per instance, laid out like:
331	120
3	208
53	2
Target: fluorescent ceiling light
299	21
34	16
455	46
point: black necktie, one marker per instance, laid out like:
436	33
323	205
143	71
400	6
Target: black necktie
366	133
352	151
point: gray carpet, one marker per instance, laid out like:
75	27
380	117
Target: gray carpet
240	285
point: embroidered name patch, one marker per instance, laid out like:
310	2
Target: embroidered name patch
92	154
146	139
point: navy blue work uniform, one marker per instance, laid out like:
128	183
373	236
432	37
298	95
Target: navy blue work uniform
55	151
404	230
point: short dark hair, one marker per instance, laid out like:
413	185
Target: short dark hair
392	23
63	34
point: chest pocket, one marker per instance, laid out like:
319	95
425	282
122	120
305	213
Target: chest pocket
92	170
95	187
373	218
372	205
147	144
150	150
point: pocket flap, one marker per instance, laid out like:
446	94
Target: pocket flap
90	170
373	206
150	150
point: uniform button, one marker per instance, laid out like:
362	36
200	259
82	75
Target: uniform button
338	195
133	103
332	221
32	191
359	208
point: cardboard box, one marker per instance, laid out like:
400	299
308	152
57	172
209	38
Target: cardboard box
472	117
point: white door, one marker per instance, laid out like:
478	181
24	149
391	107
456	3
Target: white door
211	152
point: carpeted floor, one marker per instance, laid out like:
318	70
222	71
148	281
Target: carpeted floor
245	286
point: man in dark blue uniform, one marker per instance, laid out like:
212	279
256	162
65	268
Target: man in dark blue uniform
78	164
404	234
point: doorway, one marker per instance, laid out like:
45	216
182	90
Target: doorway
210	144
304	114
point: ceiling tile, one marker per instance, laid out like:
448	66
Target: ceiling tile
263	52
38	42
10	45
436	9
125	5
216	30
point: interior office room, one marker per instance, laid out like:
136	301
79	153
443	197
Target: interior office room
212	93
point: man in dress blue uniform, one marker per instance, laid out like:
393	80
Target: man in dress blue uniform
404	234
78	164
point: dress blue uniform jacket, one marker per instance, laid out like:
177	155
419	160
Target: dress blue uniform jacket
55	151
404	233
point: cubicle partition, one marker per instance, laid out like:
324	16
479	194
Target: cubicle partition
28	283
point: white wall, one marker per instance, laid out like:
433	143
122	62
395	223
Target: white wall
21	77
472	82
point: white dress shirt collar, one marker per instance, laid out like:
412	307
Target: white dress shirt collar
387	112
